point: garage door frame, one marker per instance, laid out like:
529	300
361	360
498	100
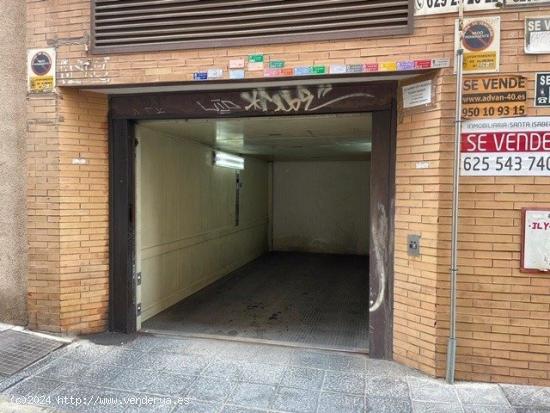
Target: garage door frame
377	97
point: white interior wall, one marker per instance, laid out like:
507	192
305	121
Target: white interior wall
186	218
321	206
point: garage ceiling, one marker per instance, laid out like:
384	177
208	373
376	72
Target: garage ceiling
311	137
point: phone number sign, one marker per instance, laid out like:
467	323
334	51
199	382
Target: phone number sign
506	147
494	96
428	7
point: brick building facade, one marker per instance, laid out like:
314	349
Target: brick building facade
503	314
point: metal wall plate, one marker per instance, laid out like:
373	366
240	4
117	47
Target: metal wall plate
413	245
18	350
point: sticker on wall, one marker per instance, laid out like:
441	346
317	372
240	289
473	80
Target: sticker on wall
236	74
542	90
214	73
405	65
236	64
423	64
440	63
272	73
276	64
535	246
428	7
255	62
494	96
371	67
481	44
537	35
200	76
506	147
41	70
302	71
387	67
319	70
417	94
337	69
356	68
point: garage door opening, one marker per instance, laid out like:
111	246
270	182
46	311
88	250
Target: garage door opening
316	195
277	251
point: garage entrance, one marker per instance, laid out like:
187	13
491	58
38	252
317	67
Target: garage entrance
284	237
256	214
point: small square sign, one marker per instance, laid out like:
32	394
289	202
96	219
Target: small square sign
388	66
236	74
422	64
542	90
405	65
302	71
256	62
276	64
200	76
272	72
318	70
337	68
214	73
236	64
355	68
256	58
371	67
41	71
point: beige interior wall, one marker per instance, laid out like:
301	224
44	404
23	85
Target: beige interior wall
186	218
321	207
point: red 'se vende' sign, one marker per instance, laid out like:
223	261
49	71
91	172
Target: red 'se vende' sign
508	147
524	141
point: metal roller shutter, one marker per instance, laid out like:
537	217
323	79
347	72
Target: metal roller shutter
138	25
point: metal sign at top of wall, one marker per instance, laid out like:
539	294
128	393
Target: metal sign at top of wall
429	7
523	3
537	35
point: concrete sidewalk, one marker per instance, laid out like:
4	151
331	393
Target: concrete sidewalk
166	374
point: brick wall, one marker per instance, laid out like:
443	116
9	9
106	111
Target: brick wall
83	212
67	208
503	315
43	213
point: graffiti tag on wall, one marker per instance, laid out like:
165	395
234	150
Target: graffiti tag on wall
83	71
300	99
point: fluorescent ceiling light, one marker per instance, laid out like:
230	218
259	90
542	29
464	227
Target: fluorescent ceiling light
227	160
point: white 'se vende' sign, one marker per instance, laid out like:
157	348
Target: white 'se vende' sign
506	147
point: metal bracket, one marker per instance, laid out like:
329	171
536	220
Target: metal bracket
413	245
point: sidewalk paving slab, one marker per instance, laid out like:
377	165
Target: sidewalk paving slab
147	373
